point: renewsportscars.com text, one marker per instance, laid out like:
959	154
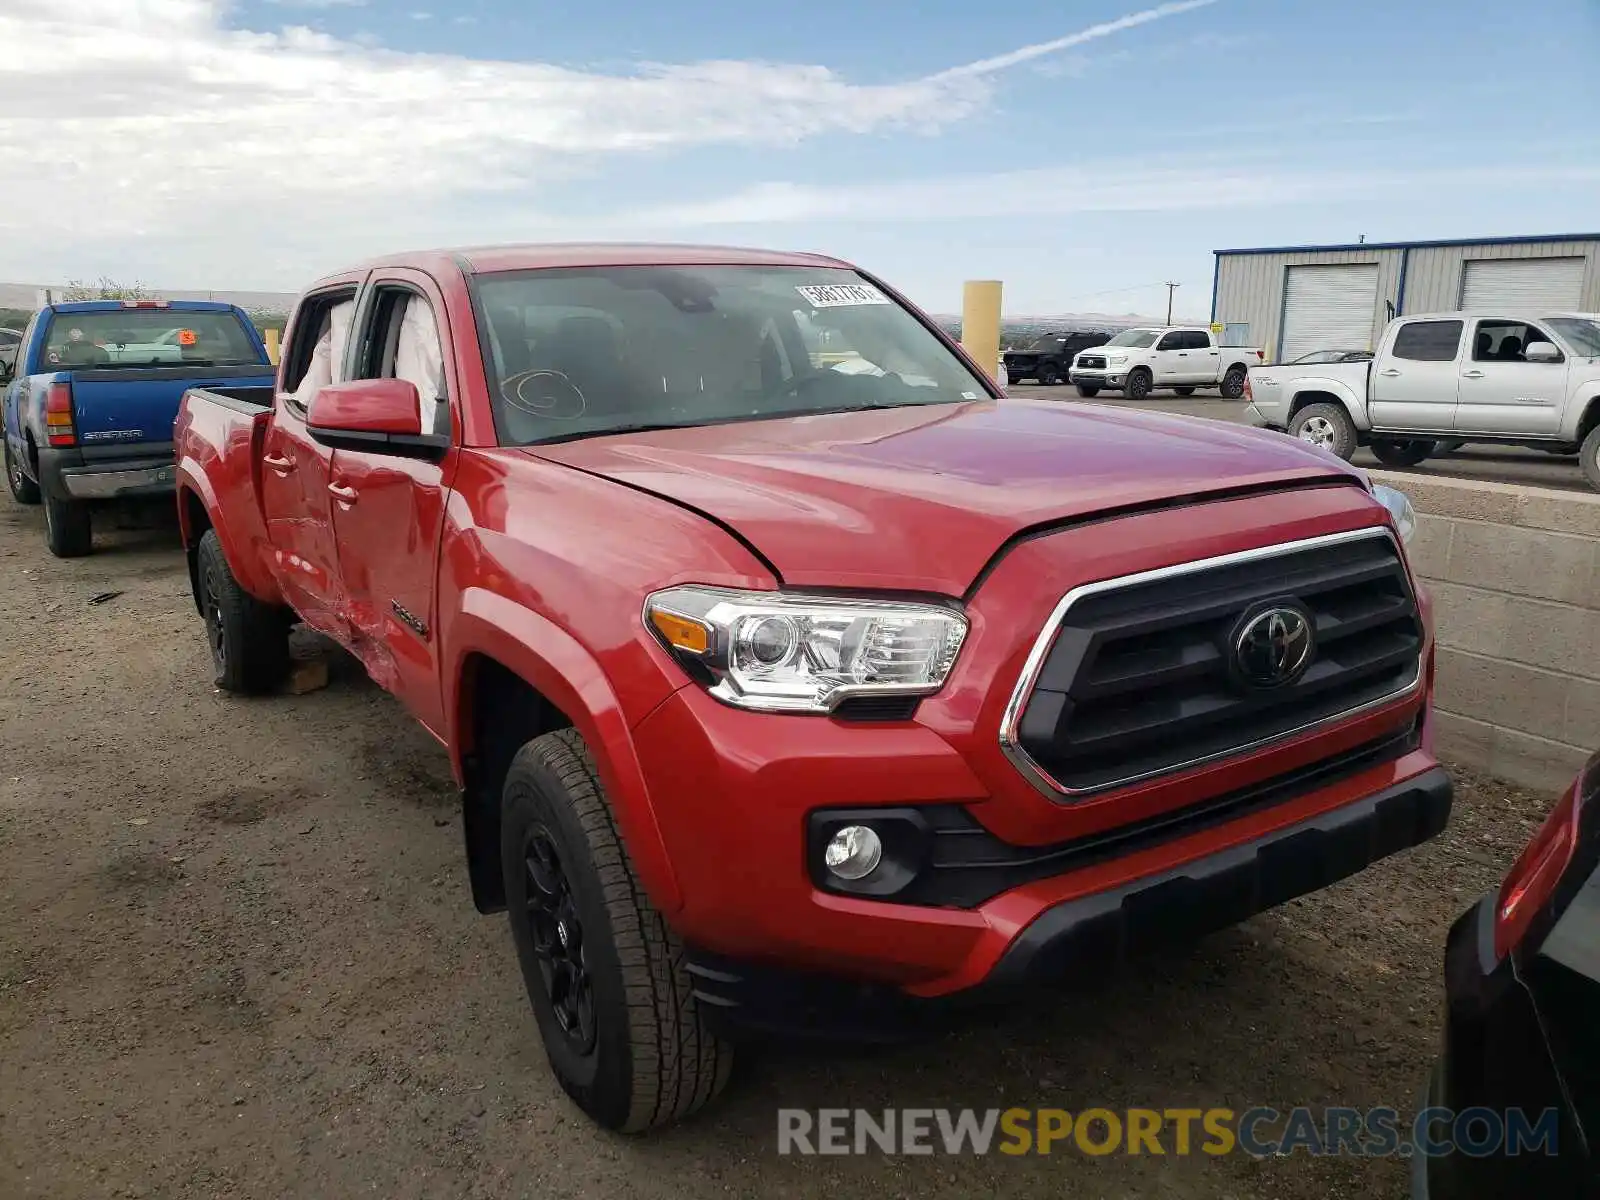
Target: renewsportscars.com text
1258	1132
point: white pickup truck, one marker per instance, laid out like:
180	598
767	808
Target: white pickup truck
1182	358
1511	379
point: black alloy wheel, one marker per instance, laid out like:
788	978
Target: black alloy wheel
558	943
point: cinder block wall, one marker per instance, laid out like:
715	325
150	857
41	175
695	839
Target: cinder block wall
1515	576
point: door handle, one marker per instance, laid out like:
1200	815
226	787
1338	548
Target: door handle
1391	373
346	494
281	465
1472	374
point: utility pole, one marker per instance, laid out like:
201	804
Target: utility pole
1171	287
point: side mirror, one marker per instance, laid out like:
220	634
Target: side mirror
380	416
1541	352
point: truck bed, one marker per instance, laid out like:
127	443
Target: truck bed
250	398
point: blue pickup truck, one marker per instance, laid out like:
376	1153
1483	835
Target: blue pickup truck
91	399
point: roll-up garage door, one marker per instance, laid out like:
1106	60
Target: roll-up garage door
1328	308
1522	284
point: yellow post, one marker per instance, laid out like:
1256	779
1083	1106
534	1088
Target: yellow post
980	323
271	337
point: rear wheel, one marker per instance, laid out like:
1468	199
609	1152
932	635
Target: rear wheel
1049	376
23	489
249	640
1184	391
1088	391
1589	457
605	974
1139	384
1401	452
1232	386
1326	425
68	531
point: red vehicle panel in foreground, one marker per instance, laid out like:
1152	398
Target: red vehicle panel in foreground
793	676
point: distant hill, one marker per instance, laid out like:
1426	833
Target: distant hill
25	296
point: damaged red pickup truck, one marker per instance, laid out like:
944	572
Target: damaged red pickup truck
793	677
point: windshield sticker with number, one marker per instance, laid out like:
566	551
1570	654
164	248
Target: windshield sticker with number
841	295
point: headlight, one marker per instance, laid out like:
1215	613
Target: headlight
1116	360
1399	506
779	652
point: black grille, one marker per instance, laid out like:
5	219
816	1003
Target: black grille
1096	362
1139	679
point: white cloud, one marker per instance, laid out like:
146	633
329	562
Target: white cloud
153	132
1108	186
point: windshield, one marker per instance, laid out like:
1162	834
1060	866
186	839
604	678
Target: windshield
148	337
1581	334
596	350
1137	339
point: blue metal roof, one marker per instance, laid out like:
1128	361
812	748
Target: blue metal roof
1494	241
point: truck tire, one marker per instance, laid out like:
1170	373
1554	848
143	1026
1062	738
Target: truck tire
68	531
1140	381
23	489
1088	391
1184	391
1402	452
1049	376
1328	426
1232	385
1589	457
604	972
249	640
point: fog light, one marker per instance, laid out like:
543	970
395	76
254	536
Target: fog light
853	852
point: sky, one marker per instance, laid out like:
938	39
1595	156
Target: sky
1081	151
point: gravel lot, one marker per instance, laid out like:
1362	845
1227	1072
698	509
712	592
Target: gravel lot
1499	464
238	959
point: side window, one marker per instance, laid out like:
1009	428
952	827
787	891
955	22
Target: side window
313	354
402	342
1505	341
27	340
1428	341
1197	339
1173	341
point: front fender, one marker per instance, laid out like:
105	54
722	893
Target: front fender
1585	399
1354	403
562	670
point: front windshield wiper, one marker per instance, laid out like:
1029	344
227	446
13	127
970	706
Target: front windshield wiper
642	427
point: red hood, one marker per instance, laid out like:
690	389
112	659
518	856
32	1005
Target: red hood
919	499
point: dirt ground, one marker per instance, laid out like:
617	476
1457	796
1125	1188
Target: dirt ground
238	959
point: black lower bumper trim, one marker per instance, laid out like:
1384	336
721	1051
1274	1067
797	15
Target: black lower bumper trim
1226	888
1081	937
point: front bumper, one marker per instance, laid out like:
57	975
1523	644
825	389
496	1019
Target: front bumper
1101	379
1083	937
65	475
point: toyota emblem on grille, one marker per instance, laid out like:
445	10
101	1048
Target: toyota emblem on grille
1273	647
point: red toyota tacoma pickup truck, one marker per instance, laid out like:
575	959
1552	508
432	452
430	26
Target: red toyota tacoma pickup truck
793	676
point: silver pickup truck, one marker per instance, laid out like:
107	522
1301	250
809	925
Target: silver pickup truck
1456	377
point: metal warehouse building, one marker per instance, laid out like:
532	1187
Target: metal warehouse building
1293	299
